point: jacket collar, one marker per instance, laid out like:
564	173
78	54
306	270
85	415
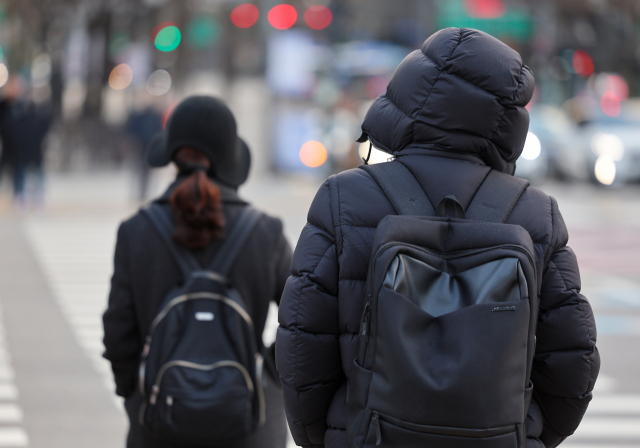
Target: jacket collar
228	195
415	151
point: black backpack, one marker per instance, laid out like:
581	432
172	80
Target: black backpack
201	370
447	336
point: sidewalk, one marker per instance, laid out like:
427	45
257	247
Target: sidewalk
55	266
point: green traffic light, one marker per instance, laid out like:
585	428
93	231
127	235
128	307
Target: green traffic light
168	38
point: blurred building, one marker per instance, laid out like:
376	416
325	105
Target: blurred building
320	61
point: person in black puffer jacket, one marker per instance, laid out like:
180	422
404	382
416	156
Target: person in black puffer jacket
203	205
454	110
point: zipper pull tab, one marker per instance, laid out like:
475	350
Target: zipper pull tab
366	317
154	394
147	347
170	409
376	423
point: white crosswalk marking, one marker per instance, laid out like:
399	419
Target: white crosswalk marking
10	412
76	257
13	437
611	418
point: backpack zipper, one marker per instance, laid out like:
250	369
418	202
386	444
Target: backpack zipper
376	423
161	315
365	326
169	409
366	318
199	295
155	390
463	253
261	401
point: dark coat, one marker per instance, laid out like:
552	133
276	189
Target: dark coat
452	110
145	272
23	128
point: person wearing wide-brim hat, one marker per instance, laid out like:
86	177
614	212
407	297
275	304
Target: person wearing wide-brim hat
201	140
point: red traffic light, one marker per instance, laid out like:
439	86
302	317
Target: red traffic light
282	17
245	15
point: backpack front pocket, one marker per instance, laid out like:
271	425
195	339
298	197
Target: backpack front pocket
217	406
388	432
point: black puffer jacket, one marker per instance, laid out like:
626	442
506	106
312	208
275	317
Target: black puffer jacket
453	110
145	272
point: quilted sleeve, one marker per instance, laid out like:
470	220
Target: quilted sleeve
121	334
566	362
307	348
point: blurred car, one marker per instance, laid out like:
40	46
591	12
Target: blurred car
611	145
551	147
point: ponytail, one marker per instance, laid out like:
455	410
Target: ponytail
198	211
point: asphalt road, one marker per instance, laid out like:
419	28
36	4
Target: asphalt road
55	263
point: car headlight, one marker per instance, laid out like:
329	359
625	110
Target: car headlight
532	147
608	145
605	169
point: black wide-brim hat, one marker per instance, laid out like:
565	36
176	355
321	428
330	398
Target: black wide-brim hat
204	123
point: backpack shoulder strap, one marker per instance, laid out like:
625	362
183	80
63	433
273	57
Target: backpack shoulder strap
161	221
234	241
496	197
401	188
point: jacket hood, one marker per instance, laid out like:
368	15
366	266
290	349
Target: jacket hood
464	91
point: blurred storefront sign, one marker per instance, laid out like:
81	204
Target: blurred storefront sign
292	57
492	16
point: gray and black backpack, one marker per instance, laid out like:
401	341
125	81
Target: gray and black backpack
201	369
447	336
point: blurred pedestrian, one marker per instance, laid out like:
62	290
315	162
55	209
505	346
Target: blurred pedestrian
23	128
453	116
142	125
202	212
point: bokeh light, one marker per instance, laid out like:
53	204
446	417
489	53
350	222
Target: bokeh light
203	32
168	38
318	17
610	104
485	9
607	144
532	147
4	74
245	15
159	27
282	17
582	63
159	83
613	83
120	77
313	154
605	170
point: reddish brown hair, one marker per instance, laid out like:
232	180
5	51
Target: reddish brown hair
198	211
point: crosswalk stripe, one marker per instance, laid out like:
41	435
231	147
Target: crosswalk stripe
8	391
13	437
609	427
6	373
76	256
10	413
615	404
